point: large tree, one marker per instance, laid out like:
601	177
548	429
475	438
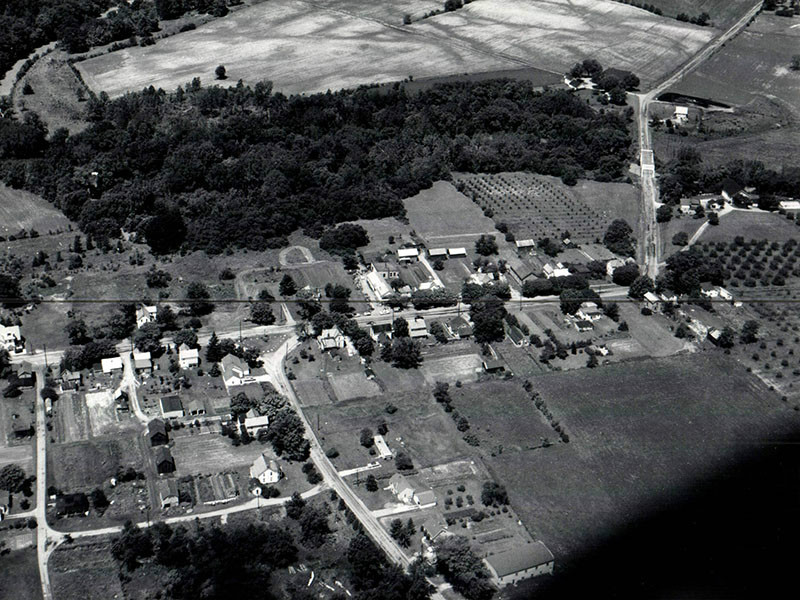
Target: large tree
406	353
487	316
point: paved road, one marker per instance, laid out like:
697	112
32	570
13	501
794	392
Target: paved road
44	535
652	233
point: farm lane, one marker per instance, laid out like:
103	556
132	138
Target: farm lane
652	231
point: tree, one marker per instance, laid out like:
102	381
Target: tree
399	533
640	287
313	527
438	332
166	318
214	352
12	478
680	239
241	404
165	232
295	506
486	245
186	336
99	500
749	332
406	353
219	72
487	316
618	238
626	274
663	213
157	278
287	286
261	313
77	332
148	338
286	433
198	296
132	545
10	294
727	338
795	62
713	218
366	437
400	328
344	239
571	301
462	568
493	494
611	310
402	461
365	346
372	483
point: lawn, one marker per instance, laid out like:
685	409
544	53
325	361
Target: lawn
639	433
450	369
23	210
82	466
756	55
19	575
685	223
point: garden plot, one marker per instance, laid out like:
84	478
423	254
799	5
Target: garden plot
451	369
354	385
212	453
72	418
102	411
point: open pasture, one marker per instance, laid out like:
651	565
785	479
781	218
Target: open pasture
23	210
760	56
639	432
85	571
19	575
536	206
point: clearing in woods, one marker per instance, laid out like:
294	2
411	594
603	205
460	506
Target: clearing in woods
304	47
23	210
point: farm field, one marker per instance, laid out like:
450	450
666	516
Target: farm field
357	43
755	54
451	369
85	571
82	466
639	433
537	206
19	575
23	210
723	12
212	453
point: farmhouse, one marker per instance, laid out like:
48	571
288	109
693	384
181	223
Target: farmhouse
402	488
188	357
557	270
417	328
377	283
72	504
111	365
407	255
651	301
730	189
437	252
157	432
589	311
265	470
253	421
516	564
71	380
146	314
375	330
330	339
459	327
11	339
681	114
142	362
167	492
235	371
382	447
456	252
171	407
164	461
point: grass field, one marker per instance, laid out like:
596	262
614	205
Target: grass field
82	466
751	225
354	385
212	453
451	368
639	433
19	575
23	210
85	571
756	55
722	12
304	47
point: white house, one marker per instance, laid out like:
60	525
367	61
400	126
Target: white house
651	301
407	255
254	421
111	365
377	283
589	311
167	492
401	488
417	328
330	339
557	270
235	371
145	314
188	357
11	339
382	447
142	363
681	114
265	470
709	291
724	294
171	407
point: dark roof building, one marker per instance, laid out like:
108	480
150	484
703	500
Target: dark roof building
157	432
493	364
72	504
520	563
164	461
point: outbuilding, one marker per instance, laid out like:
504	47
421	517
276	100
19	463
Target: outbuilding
514	565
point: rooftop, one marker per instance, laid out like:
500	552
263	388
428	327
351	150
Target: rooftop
519	559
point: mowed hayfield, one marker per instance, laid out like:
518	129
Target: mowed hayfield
304	47
723	12
752	226
639	433
443	216
212	453
23	210
760	55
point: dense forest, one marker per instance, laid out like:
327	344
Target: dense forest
211	168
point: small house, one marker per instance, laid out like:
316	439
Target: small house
425	498
164	461
407	255
459	327
681	114
142	363
11	339
171	407
724	294
235	371
331	339
188	358
72	504
26	378
253	421
651	301
71	380
167	492
514	565
584	325
417	328
589	311
686	207
265	470
557	270
434	526
157	432
401	488
111	365
714	336
145	314
195	408
517	337
376	329
457	252
382	447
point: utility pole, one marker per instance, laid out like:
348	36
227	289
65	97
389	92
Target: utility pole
44	347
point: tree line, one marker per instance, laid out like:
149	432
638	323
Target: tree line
187	169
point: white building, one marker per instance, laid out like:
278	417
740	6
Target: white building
407	255
516	564
382	447
142	363
11	339
378	284
146	314
235	371
265	470
557	270
330	339
111	365
589	311
417	328
651	300
254	421
789	205
681	115
525	244
188	357
456	252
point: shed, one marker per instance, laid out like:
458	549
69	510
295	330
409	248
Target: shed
171	406
457	252
157	432
437	252
111	365
382	447
167	492
164	461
